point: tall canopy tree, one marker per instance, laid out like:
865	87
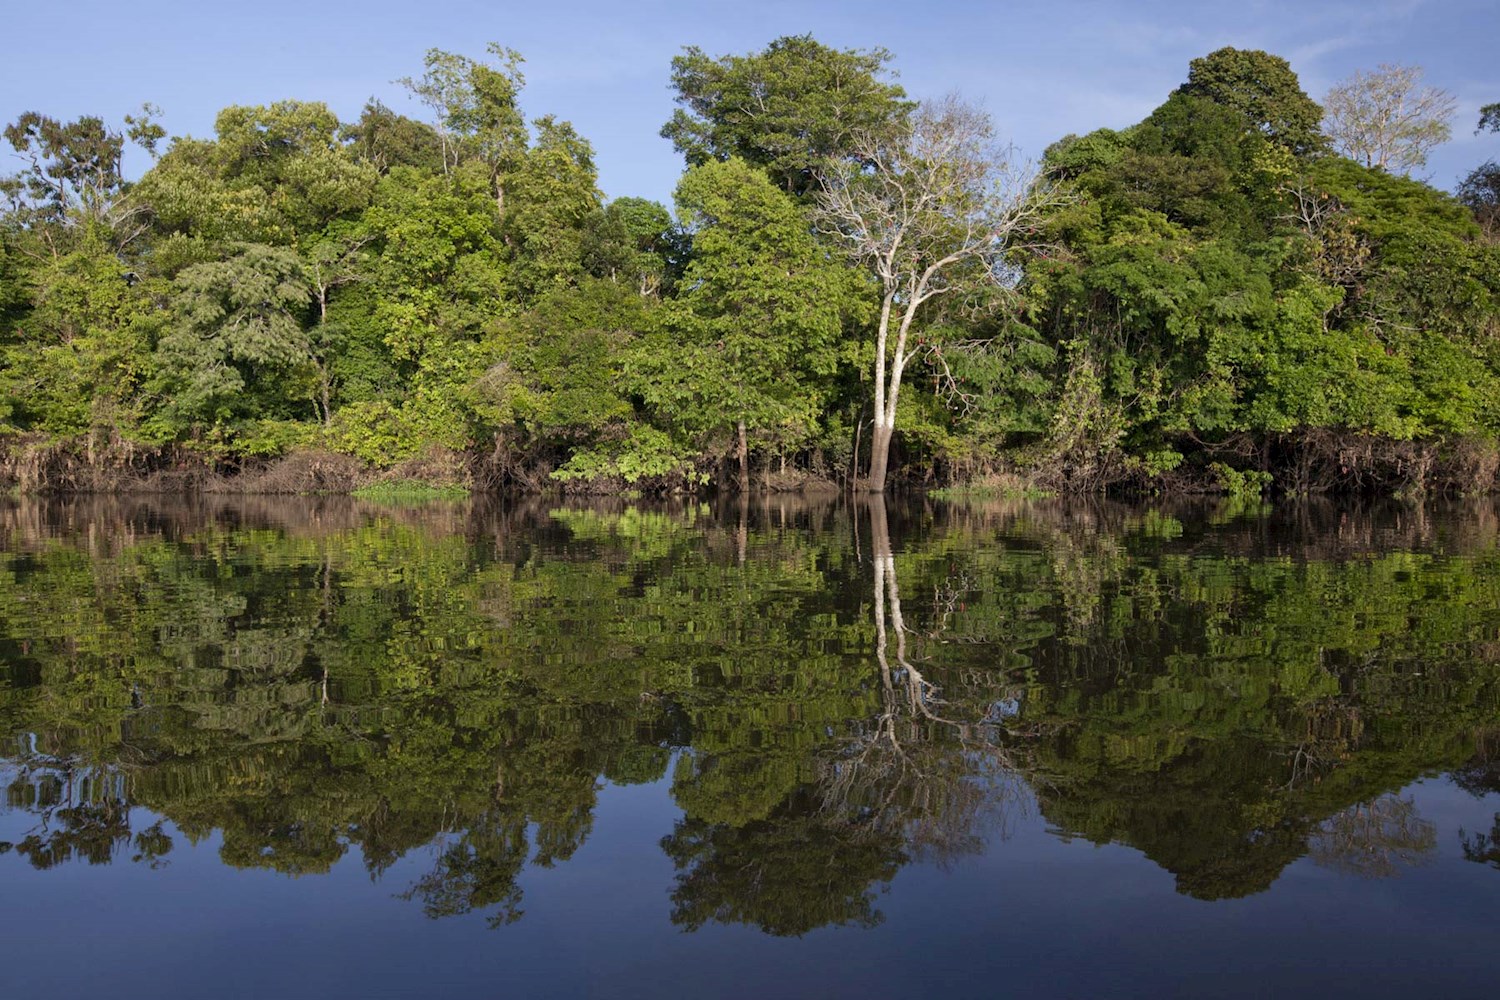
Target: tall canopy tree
72	176
786	109
1263	91
386	140
476	107
274	173
1480	190
554	191
632	239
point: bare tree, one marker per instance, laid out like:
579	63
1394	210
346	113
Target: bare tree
1384	119
937	211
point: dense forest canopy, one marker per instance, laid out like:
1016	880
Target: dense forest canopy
852	287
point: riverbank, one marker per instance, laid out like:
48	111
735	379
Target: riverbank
1317	463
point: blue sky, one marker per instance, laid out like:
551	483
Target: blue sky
1043	69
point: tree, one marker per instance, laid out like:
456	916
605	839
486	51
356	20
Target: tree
81	355
237	335
276	173
288	157
1384	119
763	307
939	212
558	378
1481	189
72	176
1375	839
1489	118
476	107
554	190
1483	848
329	264
788	875
385	139
786	109
1264	91
631	239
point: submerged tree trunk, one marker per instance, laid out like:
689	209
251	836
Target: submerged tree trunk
742	530
744	456
880	455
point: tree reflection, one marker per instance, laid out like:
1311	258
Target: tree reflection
475	871
1483	848
768	843
933	763
1373	839
832	691
793	871
81	814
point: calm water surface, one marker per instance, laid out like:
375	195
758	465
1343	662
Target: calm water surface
319	748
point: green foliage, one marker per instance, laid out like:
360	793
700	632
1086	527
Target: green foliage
72	169
475	104
1263	93
1241	484
643	452
386	140
1220	289
633	240
84	353
551	197
236	346
1206	286
1480	193
785	110
755	324
561	370
408	491
1489	118
982	491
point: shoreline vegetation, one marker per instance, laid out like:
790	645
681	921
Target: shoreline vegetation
1244	294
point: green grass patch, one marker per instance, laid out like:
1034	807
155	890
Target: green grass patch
409	491
1005	490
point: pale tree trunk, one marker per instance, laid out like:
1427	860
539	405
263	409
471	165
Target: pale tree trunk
912	698
880	436
918	212
880	455
888	384
323	377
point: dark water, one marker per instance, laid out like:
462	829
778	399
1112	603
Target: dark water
315	748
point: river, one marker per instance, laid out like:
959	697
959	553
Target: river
258	747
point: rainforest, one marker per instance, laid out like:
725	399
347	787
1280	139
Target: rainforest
853	290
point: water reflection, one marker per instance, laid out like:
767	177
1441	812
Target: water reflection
831	691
